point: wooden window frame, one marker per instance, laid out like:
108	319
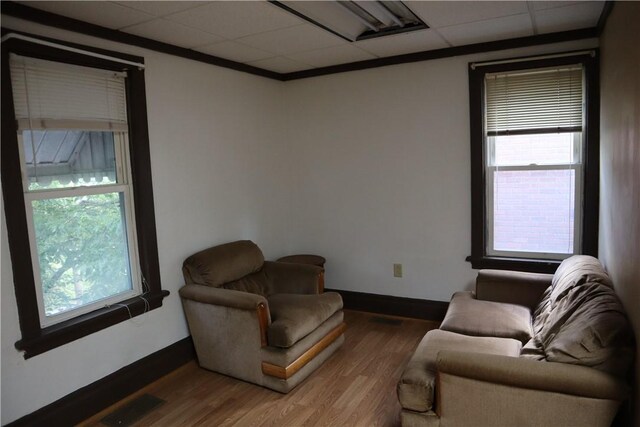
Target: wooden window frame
479	258
36	339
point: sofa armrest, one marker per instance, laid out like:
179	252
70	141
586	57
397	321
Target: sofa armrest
290	278
531	374
513	287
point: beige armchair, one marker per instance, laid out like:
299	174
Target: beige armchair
259	321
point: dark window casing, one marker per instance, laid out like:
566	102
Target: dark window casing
591	133
35	339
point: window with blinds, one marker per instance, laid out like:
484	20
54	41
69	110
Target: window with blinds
73	144
533	140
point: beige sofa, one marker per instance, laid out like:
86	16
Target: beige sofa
524	349
264	322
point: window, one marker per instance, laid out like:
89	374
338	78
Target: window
76	180
77	191
533	162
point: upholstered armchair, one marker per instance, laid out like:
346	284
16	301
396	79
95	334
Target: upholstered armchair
263	322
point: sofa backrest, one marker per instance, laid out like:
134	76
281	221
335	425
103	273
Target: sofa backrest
576	270
593	330
223	264
573	271
580	320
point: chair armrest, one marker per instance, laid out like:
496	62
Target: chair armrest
232	299
533	375
289	278
513	287
224	297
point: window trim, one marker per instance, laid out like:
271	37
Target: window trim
590	191
36	339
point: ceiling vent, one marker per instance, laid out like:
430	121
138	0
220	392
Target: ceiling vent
356	20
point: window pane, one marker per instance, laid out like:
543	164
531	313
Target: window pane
82	250
68	158
534	211
541	149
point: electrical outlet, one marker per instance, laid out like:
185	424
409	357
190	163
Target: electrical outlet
397	270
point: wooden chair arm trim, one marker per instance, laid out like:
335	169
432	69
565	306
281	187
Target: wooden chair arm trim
321	282
306	357
438	403
263	321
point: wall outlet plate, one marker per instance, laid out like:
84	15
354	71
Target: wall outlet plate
397	270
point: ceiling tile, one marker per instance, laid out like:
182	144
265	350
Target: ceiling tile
293	39
573	17
160	8
280	64
541	5
235	51
488	30
399	44
106	14
233	19
173	33
332	55
444	13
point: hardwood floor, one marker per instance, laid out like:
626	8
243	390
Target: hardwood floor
355	387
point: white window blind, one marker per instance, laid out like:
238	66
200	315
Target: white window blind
50	95
540	101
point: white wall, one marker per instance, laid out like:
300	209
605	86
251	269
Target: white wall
382	174
216	150
366	168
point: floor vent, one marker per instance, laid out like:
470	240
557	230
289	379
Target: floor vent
132	411
386	321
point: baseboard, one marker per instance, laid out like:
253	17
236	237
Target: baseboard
89	400
394	306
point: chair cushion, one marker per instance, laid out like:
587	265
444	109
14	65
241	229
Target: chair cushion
470	316
294	316
415	389
222	264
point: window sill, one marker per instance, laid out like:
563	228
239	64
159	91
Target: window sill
519	264
86	324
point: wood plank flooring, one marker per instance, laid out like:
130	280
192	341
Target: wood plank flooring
355	387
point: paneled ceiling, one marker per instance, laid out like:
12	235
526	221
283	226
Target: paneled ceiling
263	35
